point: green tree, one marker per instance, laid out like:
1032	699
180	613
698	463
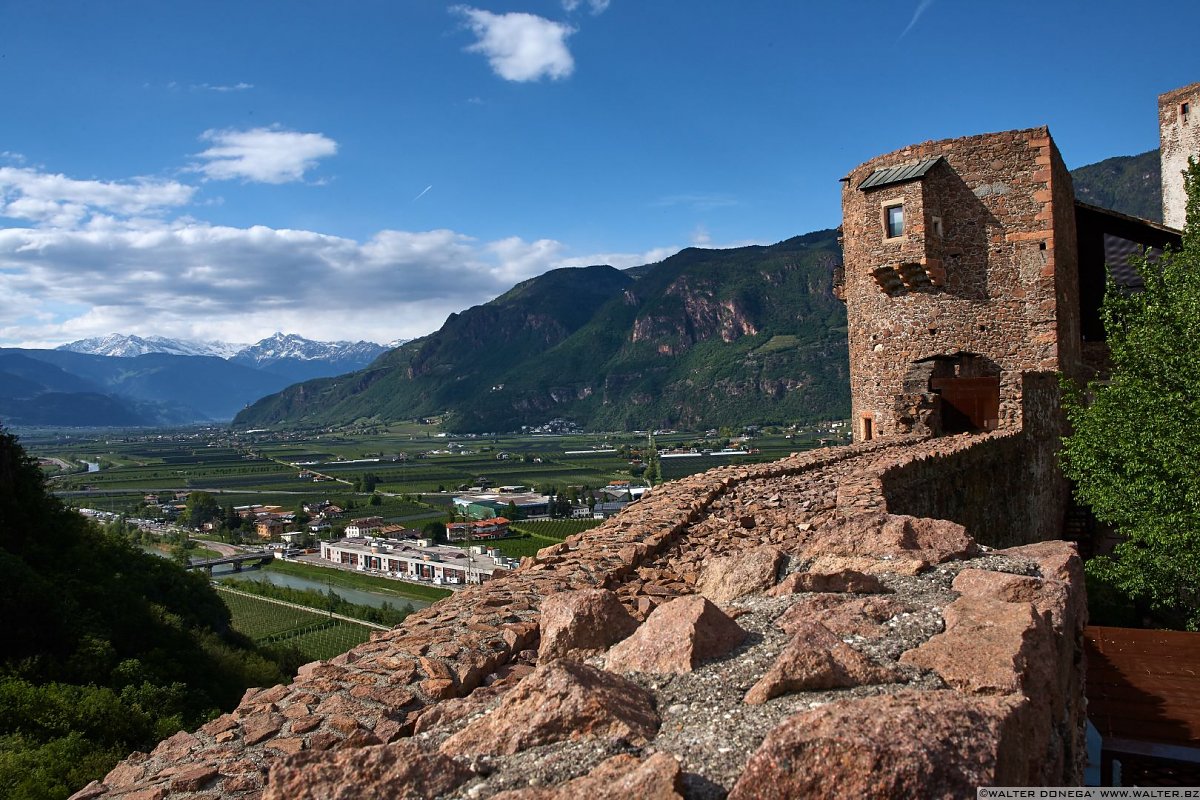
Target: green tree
202	507
1135	454
375	500
366	482
562	505
233	520
436	531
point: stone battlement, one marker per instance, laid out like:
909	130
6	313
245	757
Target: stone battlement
775	630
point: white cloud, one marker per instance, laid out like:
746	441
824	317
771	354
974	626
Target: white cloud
621	260
597	6
101	257
206	281
59	201
699	201
520	47
263	155
240	86
922	7
520	259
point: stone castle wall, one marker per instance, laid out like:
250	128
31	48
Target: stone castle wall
1004	260
775	630
1007	488
1179	138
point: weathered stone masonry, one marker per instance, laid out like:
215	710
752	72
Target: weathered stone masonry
790	636
1179	139
980	285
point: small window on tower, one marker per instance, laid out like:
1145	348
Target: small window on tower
1184	108
868	428
893	220
937	226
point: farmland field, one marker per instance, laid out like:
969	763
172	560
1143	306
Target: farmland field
260	619
415	469
557	529
325	643
316	635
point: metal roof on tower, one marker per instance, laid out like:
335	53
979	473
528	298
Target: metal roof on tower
889	175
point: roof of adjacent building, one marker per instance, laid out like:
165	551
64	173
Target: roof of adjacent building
479	523
518	499
1141	684
885	176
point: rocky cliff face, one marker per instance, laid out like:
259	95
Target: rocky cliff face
699	315
769	631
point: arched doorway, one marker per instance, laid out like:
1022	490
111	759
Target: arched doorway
968	388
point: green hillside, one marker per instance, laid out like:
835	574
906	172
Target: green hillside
470	354
106	649
706	337
1129	184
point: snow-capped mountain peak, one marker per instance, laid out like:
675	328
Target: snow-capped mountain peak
290	346
123	346
279	347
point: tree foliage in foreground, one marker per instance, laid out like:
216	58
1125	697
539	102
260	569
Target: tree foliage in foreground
1135	450
105	649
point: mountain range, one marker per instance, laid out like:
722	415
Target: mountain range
129	380
1129	184
288	355
120	345
705	337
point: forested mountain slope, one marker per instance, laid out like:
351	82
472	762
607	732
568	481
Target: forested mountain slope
705	337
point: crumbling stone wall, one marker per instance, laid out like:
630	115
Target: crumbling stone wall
978	487
772	630
1179	138
1006	487
1003	269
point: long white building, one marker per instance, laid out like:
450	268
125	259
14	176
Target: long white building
419	560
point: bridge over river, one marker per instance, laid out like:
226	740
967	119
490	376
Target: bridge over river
258	559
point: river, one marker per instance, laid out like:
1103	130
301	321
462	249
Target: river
361	597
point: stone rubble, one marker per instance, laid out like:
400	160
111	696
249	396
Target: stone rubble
560	700
816	659
724	627
582	623
677	638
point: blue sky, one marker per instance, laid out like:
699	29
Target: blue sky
360	169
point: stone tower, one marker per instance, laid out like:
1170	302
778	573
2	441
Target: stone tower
960	282
1179	138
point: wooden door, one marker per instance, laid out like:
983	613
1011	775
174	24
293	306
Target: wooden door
968	404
